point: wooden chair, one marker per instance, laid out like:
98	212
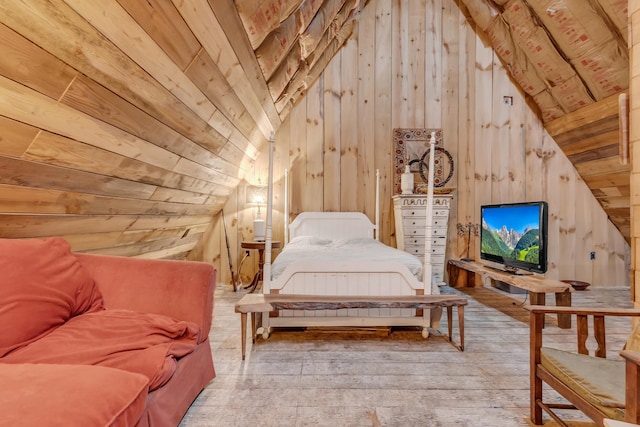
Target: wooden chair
599	387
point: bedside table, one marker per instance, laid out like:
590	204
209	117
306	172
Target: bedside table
260	247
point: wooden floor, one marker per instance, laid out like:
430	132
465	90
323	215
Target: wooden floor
373	378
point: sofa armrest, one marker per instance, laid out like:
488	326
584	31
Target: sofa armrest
182	290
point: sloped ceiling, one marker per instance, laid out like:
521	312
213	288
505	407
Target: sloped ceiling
132	122
564	54
294	40
570	58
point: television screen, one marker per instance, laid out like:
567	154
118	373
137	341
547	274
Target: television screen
515	235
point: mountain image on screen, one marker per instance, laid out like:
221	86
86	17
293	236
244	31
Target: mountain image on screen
511	244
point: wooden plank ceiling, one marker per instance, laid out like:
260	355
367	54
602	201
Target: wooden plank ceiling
125	125
570	59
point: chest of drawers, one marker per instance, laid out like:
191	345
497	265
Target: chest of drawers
410	213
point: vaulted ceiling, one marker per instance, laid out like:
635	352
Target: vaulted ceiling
294	40
569	57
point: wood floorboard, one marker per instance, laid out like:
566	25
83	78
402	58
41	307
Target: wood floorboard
381	378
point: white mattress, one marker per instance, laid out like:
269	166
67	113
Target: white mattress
317	249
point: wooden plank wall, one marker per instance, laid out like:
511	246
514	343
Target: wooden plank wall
420	64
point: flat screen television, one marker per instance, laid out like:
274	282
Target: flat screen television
515	236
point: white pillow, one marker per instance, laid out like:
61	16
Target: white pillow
310	241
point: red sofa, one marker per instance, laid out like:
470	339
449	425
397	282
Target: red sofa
92	340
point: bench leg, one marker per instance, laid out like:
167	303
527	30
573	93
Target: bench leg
253	328
461	325
564	299
538	298
243	332
449	321
453	273
459	277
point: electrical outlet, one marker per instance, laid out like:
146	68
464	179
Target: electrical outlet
592	256
507	100
246	253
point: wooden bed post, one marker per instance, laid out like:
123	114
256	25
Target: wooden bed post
266	272
266	277
286	208
427	270
377	205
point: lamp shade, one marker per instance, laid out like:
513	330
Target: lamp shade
256	195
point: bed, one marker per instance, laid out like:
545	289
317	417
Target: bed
339	253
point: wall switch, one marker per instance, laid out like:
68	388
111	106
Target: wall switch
592	256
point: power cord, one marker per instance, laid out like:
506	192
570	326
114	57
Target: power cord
523	302
246	255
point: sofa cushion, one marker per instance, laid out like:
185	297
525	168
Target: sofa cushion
143	343
42	285
67	395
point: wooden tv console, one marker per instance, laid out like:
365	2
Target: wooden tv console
537	286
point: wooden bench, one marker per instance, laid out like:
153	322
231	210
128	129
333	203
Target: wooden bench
537	286
261	303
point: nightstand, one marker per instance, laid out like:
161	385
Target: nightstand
260	247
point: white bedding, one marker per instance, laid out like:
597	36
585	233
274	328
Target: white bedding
365	249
